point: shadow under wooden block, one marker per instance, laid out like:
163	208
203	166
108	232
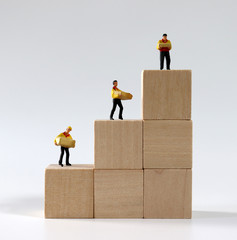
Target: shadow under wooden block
167	144
118	194
166	94
69	191
118	144
168	193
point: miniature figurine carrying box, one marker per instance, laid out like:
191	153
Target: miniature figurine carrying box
164	45
117	96
65	141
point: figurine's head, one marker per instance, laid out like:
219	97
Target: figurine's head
69	129
115	83
164	36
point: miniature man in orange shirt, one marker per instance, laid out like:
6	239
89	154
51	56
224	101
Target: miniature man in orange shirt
164	45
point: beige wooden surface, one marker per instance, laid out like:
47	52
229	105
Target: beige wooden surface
69	191
118	194
167	143
167	193
166	94
74	166
118	144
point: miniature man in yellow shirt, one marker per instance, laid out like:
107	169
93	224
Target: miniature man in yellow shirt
116	93
67	135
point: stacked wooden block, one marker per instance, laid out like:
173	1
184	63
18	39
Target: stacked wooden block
118	176
142	167
167	144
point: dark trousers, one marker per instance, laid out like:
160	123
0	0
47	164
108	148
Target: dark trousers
62	153
164	55
116	102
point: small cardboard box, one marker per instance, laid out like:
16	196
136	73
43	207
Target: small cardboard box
65	142
161	45
124	95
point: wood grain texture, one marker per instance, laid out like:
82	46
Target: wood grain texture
166	94
118	194
167	193
167	143
118	144
69	191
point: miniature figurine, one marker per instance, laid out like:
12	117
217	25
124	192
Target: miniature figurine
164	45
63	148
117	96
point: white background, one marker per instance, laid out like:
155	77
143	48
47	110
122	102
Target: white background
57	62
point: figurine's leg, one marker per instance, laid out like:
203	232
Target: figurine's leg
168	60
67	157
162	56
121	109
60	162
113	109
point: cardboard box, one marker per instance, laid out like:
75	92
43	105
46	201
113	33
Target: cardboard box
65	142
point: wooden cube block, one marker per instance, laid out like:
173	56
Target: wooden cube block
167	193
69	191
167	143
118	194
166	94
118	144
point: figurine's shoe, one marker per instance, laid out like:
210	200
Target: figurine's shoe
111	119
61	164
121	118
69	164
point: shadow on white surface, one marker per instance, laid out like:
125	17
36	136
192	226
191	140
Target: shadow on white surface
24	206
34	207
26	213
209	214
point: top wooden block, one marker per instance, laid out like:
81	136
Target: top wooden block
166	94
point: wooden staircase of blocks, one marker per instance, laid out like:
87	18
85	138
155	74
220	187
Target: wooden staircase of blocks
143	168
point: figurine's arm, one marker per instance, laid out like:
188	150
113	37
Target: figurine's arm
60	135
115	93
158	45
170	45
